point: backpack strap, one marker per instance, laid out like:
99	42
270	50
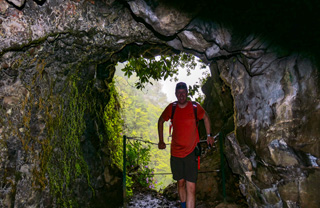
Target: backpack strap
195	111
174	105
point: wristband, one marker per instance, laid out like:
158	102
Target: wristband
209	135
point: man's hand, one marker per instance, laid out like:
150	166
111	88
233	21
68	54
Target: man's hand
210	140
162	145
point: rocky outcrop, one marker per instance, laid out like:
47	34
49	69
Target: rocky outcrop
57	59
276	145
55	75
276	106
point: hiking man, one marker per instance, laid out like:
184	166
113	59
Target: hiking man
185	137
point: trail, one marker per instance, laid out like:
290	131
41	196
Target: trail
151	200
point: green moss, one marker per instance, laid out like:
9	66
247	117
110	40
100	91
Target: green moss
56	148
113	124
66	127
63	160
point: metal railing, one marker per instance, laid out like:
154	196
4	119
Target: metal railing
221	137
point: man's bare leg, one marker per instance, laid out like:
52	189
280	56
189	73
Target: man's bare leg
191	194
182	190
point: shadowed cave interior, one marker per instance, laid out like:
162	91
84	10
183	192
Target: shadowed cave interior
57	62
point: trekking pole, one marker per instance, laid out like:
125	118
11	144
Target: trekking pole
124	171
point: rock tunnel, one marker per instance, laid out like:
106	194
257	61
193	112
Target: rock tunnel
58	56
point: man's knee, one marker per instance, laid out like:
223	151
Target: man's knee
191	187
181	183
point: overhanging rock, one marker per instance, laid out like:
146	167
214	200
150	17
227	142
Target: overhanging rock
51	52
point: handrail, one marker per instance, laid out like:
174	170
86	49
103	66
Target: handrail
220	135
208	171
145	141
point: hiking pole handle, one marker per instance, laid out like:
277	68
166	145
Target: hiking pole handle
205	141
214	137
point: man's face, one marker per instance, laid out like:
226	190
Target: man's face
181	95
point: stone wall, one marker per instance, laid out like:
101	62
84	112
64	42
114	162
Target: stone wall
55	73
57	58
277	131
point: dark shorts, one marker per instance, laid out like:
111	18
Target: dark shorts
185	168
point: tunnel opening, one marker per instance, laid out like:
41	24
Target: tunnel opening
219	103
57	62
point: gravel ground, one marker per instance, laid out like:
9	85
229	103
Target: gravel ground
151	200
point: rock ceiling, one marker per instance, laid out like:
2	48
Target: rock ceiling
265	52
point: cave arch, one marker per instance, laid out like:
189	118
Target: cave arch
52	53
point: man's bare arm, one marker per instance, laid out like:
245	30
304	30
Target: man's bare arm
207	124
161	144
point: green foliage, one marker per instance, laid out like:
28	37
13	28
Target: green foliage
145	177
140	112
195	88
192	90
148	71
138	159
137	155
157	67
129	183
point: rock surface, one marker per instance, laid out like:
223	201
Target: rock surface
263	92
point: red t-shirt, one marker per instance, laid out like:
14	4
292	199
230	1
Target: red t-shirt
185	132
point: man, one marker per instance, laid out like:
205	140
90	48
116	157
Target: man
185	137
